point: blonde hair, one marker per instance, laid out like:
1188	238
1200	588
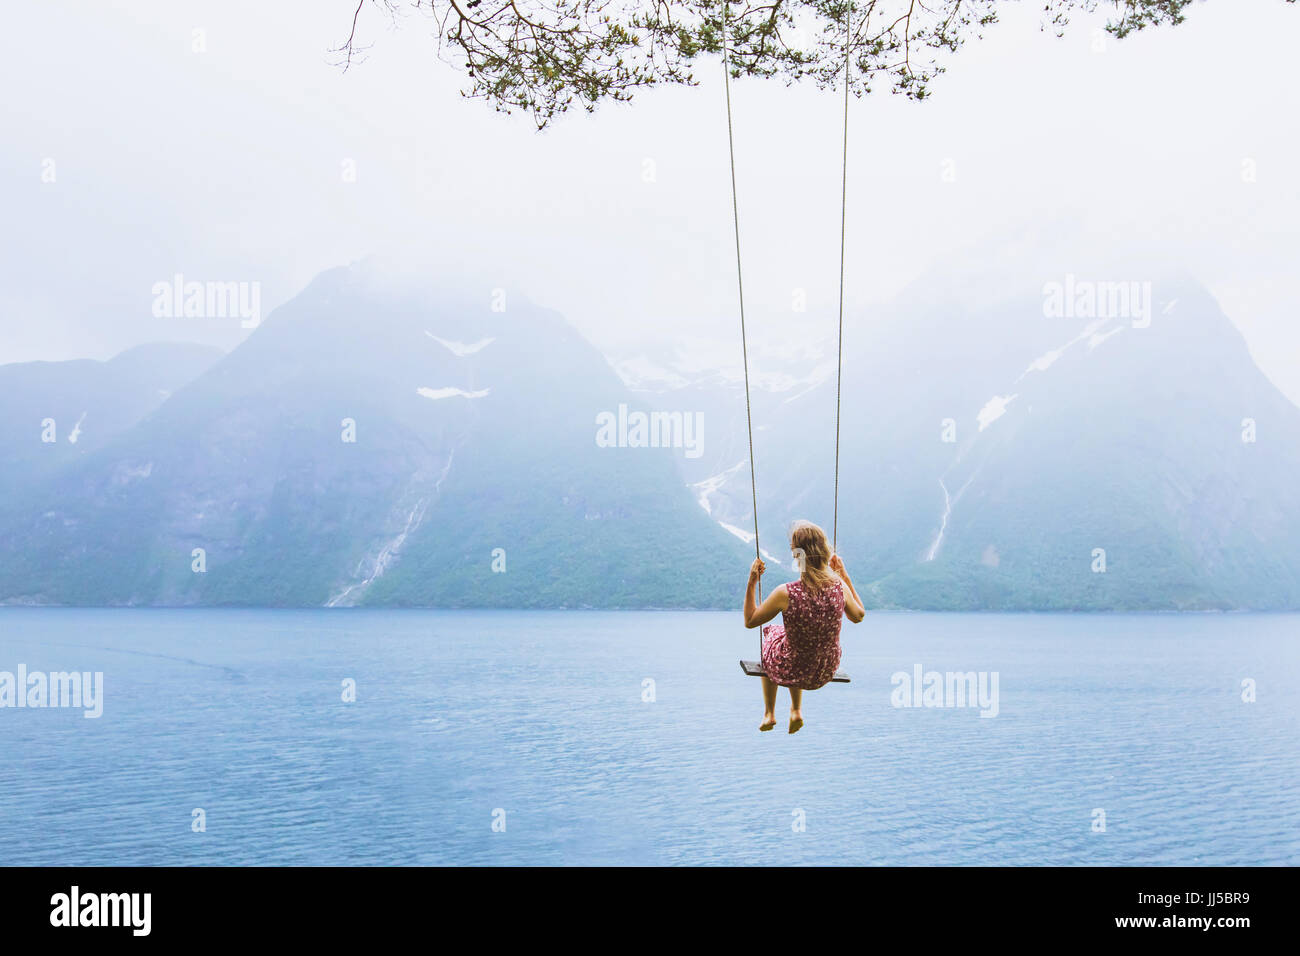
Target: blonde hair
812	555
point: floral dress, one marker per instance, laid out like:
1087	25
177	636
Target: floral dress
804	650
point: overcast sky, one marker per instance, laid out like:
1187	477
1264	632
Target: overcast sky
227	164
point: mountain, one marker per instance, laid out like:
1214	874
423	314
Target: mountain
1017	438
57	413
475	477
1001	442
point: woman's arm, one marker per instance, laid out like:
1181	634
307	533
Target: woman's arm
854	609
776	602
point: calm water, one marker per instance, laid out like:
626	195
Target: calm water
541	714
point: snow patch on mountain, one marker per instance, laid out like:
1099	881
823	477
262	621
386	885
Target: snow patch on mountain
1048	359
1043	362
740	533
748	538
460	349
76	429
704	489
776	368
994	409
642	374
438	393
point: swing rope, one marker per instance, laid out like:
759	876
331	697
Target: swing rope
740	285
839	347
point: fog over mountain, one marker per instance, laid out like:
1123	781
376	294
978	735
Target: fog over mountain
375	442
1076	443
82	405
1007	442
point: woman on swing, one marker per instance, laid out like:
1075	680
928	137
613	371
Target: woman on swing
803	652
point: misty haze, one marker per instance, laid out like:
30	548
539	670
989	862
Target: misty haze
413	415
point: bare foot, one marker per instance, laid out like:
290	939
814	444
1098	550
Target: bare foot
769	721
796	721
